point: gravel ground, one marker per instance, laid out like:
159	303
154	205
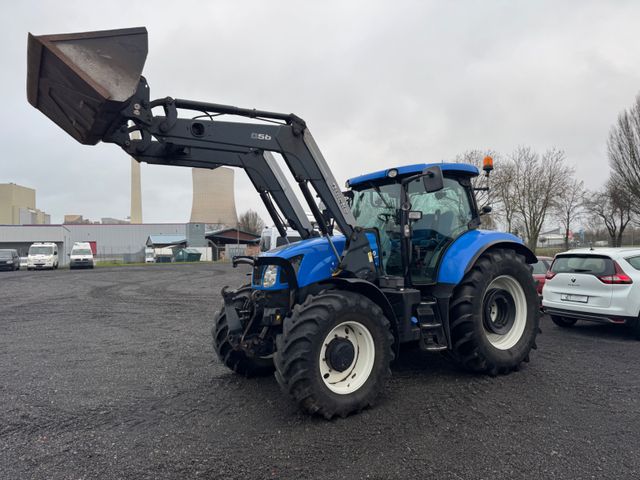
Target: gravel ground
109	373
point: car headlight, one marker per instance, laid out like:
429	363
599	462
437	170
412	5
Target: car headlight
270	276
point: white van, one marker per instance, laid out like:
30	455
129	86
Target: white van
271	238
149	255
42	255
81	256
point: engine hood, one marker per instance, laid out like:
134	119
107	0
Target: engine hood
318	260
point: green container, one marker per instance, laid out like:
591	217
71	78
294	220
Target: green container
187	255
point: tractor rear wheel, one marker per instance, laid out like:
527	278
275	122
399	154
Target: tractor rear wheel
494	314
237	360
334	353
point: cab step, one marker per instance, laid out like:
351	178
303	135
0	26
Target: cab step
432	336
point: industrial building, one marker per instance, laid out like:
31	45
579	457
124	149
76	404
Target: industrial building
213	208
18	206
111	242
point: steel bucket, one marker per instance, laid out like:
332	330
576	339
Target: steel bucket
81	81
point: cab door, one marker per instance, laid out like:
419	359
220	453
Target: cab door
446	214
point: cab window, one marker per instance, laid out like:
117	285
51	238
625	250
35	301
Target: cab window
446	214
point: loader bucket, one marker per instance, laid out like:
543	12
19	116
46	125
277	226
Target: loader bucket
81	81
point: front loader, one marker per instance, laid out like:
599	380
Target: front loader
397	258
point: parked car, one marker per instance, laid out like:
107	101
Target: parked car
81	256
540	269
42	255
598	285
149	255
9	260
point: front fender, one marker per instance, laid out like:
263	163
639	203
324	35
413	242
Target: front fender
465	250
372	292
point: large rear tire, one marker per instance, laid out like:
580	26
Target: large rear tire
494	314
334	353
237	360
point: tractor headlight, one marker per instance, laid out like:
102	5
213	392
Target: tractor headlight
270	276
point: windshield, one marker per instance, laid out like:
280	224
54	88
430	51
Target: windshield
377	207
81	251
5	254
589	264
40	250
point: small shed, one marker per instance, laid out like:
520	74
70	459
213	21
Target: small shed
219	239
186	255
163	241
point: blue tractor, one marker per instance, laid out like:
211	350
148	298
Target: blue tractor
397	258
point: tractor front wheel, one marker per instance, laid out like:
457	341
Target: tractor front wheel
494	314
334	353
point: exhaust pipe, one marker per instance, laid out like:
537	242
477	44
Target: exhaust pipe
82	81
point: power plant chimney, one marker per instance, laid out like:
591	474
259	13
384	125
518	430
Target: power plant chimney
136	190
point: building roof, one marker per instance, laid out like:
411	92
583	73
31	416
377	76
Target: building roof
232	235
163	240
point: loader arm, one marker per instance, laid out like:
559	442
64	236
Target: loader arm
207	143
79	81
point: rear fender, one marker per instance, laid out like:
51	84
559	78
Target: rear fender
466	249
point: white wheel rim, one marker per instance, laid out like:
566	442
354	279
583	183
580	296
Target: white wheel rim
513	336
356	374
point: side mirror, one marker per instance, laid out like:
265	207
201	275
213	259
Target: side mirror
486	209
432	179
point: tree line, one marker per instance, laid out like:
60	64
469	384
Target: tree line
530	190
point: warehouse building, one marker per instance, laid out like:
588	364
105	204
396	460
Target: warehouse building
116	242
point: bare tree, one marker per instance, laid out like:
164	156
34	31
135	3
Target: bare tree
568	206
612	206
251	222
502	194
623	148
537	185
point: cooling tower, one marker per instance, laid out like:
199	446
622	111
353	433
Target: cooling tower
213	197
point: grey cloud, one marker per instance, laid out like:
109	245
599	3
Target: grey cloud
380	84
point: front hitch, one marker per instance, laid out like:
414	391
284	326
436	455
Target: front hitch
233	320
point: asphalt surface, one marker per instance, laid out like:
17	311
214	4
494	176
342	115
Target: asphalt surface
109	373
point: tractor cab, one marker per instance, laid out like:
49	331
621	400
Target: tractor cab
416	223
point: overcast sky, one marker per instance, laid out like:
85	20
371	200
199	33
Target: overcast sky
379	83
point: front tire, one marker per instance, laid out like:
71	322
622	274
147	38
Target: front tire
334	354
237	360
494	314
563	322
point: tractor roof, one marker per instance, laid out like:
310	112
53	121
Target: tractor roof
456	168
